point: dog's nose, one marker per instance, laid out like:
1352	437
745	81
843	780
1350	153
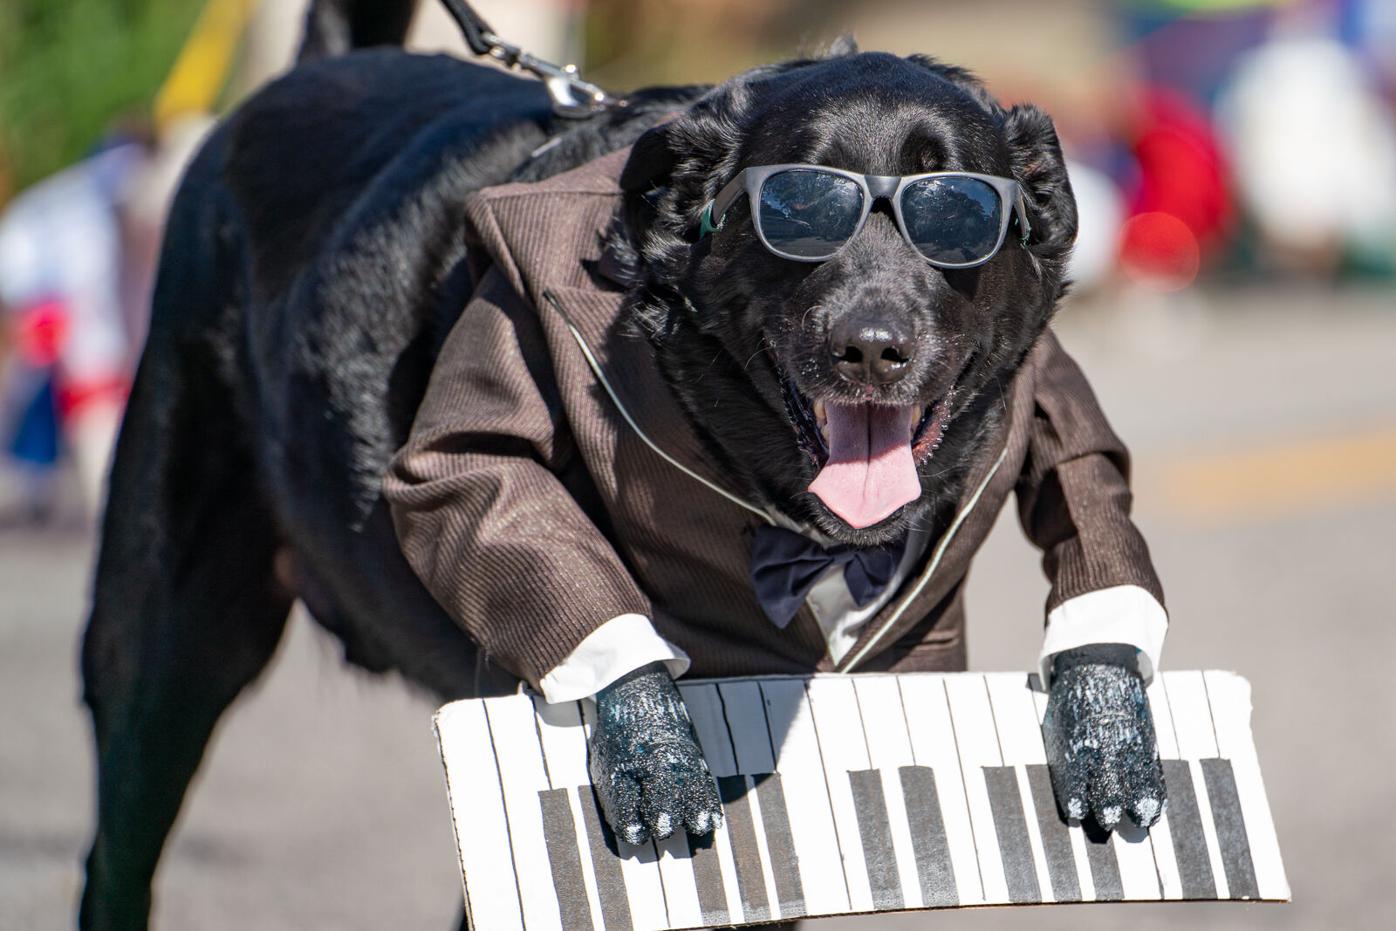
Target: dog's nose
869	353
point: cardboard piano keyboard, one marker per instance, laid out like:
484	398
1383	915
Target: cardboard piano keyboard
845	795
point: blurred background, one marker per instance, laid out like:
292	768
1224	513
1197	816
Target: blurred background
1235	307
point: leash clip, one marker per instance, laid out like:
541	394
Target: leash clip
572	97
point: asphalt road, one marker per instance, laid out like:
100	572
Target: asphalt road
1264	428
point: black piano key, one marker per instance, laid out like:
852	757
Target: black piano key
1056	836
1105	869
707	875
1185	827
560	834
1231	828
605	863
785	863
751	882
1010	824
928	840
876	833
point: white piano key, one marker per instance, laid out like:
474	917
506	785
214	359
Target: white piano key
933	744
1134	853
1163	720
745	714
807	796
472	784
843	749
1230	701
880	706
1020	739
978	744
565	754
1161	834
1192	723
639	866
517	748
889	749
644	885
705	708
1015	717
1075	833
680	886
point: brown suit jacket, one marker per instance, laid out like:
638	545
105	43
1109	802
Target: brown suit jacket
534	513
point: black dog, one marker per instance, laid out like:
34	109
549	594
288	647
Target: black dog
312	268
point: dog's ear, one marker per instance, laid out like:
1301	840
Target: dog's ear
645	177
1039	167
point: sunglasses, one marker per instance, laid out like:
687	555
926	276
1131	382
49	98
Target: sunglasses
954	219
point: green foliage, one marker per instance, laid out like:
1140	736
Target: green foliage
69	67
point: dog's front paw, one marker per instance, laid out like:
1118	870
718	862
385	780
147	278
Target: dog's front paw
646	764
1101	748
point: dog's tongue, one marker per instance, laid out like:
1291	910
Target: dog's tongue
871	471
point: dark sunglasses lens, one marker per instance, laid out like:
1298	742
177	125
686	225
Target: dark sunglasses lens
952	220
809	214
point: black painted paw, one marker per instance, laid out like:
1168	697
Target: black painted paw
1101	747
646	764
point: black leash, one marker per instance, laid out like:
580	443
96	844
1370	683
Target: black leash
572	97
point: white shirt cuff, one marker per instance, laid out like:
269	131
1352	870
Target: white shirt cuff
1121	614
622	644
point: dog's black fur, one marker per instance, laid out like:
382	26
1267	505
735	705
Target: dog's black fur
313	263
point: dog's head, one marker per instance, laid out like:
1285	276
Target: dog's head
895	365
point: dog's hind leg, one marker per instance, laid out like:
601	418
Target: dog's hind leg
187	612
187	609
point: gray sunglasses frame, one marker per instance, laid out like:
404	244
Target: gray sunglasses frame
874	187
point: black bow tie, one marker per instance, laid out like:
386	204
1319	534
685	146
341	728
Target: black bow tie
785	565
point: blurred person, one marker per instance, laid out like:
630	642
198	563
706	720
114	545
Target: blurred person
1179	202
61	278
27	407
1314	149
77	260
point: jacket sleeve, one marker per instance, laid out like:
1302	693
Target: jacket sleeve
1074	503
479	507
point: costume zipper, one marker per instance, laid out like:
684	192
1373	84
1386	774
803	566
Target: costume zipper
595	367
921	583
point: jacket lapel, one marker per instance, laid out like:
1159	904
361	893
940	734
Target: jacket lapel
627	362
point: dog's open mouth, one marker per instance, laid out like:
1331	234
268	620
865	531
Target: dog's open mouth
866	453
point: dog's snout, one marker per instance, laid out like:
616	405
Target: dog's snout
868	351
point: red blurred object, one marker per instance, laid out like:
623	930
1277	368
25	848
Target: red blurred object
73	396
1160	250
1181	208
42	331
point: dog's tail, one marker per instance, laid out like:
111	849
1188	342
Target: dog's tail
336	27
